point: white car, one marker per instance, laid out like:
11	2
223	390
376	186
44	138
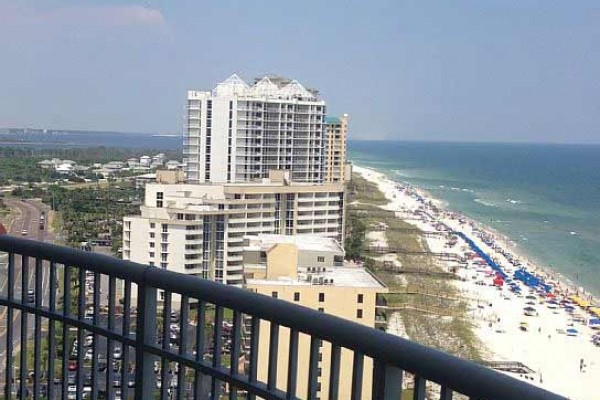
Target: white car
117	353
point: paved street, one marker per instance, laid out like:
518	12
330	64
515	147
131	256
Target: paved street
27	226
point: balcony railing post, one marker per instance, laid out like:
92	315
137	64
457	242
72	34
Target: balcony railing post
145	336
387	381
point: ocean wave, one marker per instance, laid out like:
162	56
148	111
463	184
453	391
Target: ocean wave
512	201
485	203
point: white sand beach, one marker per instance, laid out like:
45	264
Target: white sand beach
555	343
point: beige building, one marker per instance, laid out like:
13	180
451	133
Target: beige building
198	229
309	271
336	130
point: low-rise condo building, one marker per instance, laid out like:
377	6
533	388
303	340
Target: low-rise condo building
309	271
199	229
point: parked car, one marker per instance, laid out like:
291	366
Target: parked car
117	353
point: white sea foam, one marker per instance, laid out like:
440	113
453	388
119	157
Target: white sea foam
484	202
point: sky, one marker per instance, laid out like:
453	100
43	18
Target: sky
494	70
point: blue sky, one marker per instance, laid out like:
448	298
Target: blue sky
408	70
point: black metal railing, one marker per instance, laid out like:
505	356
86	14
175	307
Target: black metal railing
82	325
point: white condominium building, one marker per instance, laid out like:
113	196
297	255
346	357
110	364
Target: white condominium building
238	132
336	130
199	229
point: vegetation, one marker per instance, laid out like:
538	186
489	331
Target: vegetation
19	165
429	305
89	213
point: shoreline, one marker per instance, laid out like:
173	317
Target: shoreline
551	355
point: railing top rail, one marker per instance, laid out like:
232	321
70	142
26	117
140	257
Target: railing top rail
460	375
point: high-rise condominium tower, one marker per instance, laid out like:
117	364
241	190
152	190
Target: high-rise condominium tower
237	132
336	130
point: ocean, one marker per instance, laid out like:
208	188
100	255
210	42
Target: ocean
73	139
543	197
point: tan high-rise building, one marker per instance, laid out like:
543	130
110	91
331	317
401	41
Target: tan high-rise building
336	130
308	270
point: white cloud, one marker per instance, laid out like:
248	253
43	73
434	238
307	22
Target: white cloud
131	15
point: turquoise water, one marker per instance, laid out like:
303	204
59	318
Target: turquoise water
546	198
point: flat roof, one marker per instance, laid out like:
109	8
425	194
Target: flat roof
309	242
336	277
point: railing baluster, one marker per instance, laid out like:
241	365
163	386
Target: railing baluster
200	322
357	375
110	344
37	330
236	337
125	370
254	340
313	365
273	354
24	324
95	337
9	327
292	365
445	393
166	345
81	317
419	389
217	347
387	381
334	372
66	313
183	327
52	329
145	336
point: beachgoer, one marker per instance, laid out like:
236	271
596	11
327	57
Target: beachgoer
581	365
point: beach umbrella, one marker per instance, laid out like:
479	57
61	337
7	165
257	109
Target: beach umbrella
572	332
529	309
594	322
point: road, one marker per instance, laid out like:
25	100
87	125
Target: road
28	219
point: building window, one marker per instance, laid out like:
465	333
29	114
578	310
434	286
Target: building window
359	298
151	263
320	259
163	265
151	235
151	254
165	228
321	309
152	225
321	297
274	294
152	244
297	296
359	313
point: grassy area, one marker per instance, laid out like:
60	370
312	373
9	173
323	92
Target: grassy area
363	191
430	307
